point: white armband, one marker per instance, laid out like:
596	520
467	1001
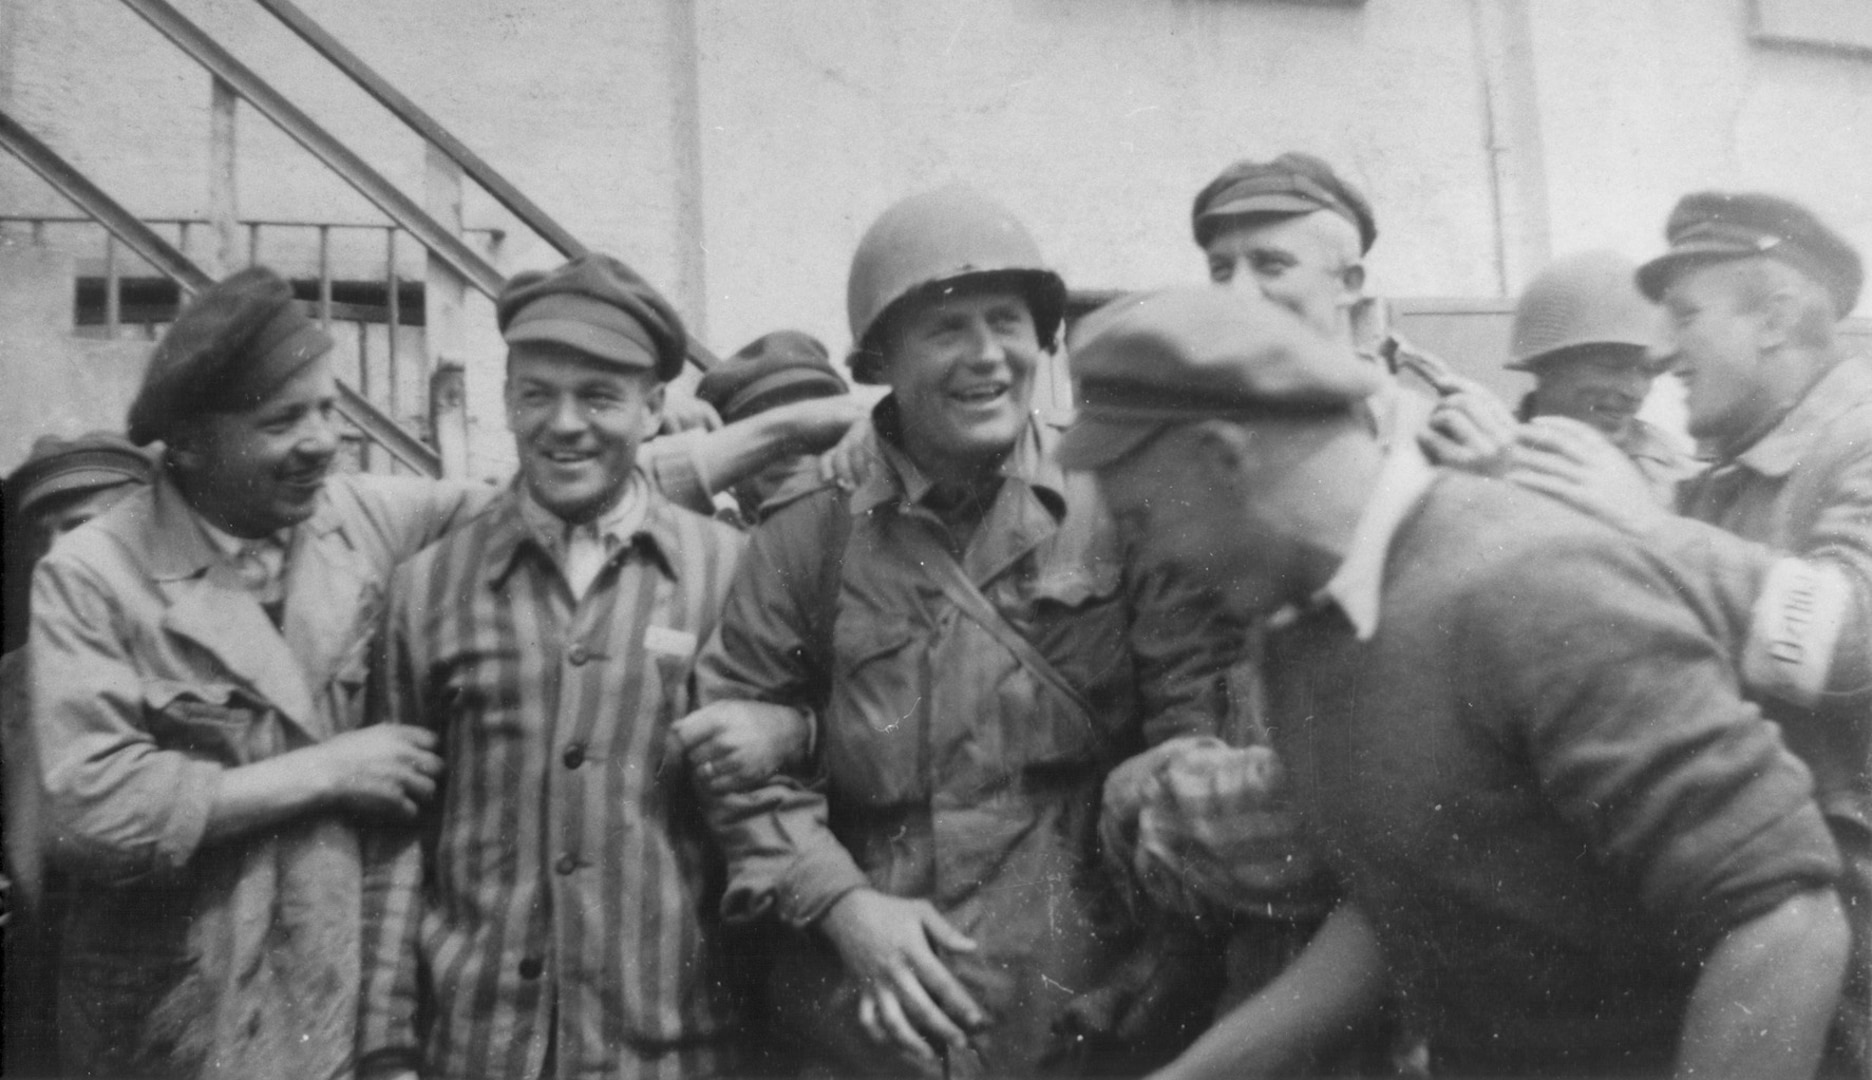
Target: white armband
1795	629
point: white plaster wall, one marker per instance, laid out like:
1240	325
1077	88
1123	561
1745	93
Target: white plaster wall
1096	120
1644	100
793	122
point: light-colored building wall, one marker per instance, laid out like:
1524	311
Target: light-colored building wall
734	150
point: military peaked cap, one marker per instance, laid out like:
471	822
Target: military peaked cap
1291	184
598	306
1713	226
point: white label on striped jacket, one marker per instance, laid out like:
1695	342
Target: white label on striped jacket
669	641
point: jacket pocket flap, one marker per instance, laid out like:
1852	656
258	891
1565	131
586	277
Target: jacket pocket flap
173	695
861	638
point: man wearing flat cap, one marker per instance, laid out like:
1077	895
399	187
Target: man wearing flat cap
1780	526
784	383
965	628
553	914
1554	823
198	657
1295	232
63	484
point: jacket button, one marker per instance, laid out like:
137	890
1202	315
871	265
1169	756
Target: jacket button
577	655
574	756
566	864
531	967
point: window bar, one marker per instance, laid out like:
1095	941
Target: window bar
38	232
363	384
253	244
182	231
325	284
113	310
393	307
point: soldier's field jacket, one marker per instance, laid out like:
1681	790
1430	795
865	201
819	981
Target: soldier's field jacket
948	765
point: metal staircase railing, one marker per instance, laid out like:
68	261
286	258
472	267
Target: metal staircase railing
403	211
152	248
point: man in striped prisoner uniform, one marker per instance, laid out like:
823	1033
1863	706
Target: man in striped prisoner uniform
553	914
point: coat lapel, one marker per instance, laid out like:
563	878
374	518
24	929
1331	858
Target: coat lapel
209	606
329	609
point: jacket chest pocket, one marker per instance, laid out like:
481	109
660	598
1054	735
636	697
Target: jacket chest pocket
213	721
873	726
1080	621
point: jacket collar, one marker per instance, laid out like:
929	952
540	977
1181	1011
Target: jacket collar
511	535
208	605
1358	585
1027	510
181	548
1847	385
900	481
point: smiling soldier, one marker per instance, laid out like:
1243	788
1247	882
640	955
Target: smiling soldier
1592	342
198	657
962	624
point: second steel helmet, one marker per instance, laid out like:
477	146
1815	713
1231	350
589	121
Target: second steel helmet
938	238
1590	298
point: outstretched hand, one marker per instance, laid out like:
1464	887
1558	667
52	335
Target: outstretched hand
1470	428
908	995
1575	463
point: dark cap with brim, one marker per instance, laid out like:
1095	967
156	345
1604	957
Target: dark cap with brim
599	307
230	349
1200	353
58	466
1715	226
772	370
1289	185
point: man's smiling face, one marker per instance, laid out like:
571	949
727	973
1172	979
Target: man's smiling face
577	422
961	365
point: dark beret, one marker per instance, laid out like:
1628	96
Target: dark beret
771	370
1291	184
230	348
1714	226
96	459
1197	353
600	307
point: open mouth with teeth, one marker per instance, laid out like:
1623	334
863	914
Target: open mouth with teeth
568	457
984	394
305	478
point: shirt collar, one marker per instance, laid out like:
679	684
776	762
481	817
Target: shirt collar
1847	385
900	481
619	524
1359	582
521	523
232	546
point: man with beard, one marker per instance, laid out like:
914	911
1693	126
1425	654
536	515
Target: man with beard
198	658
1779	529
553	914
1559	831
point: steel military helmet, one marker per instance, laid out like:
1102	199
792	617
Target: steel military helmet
1590	298
936	239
